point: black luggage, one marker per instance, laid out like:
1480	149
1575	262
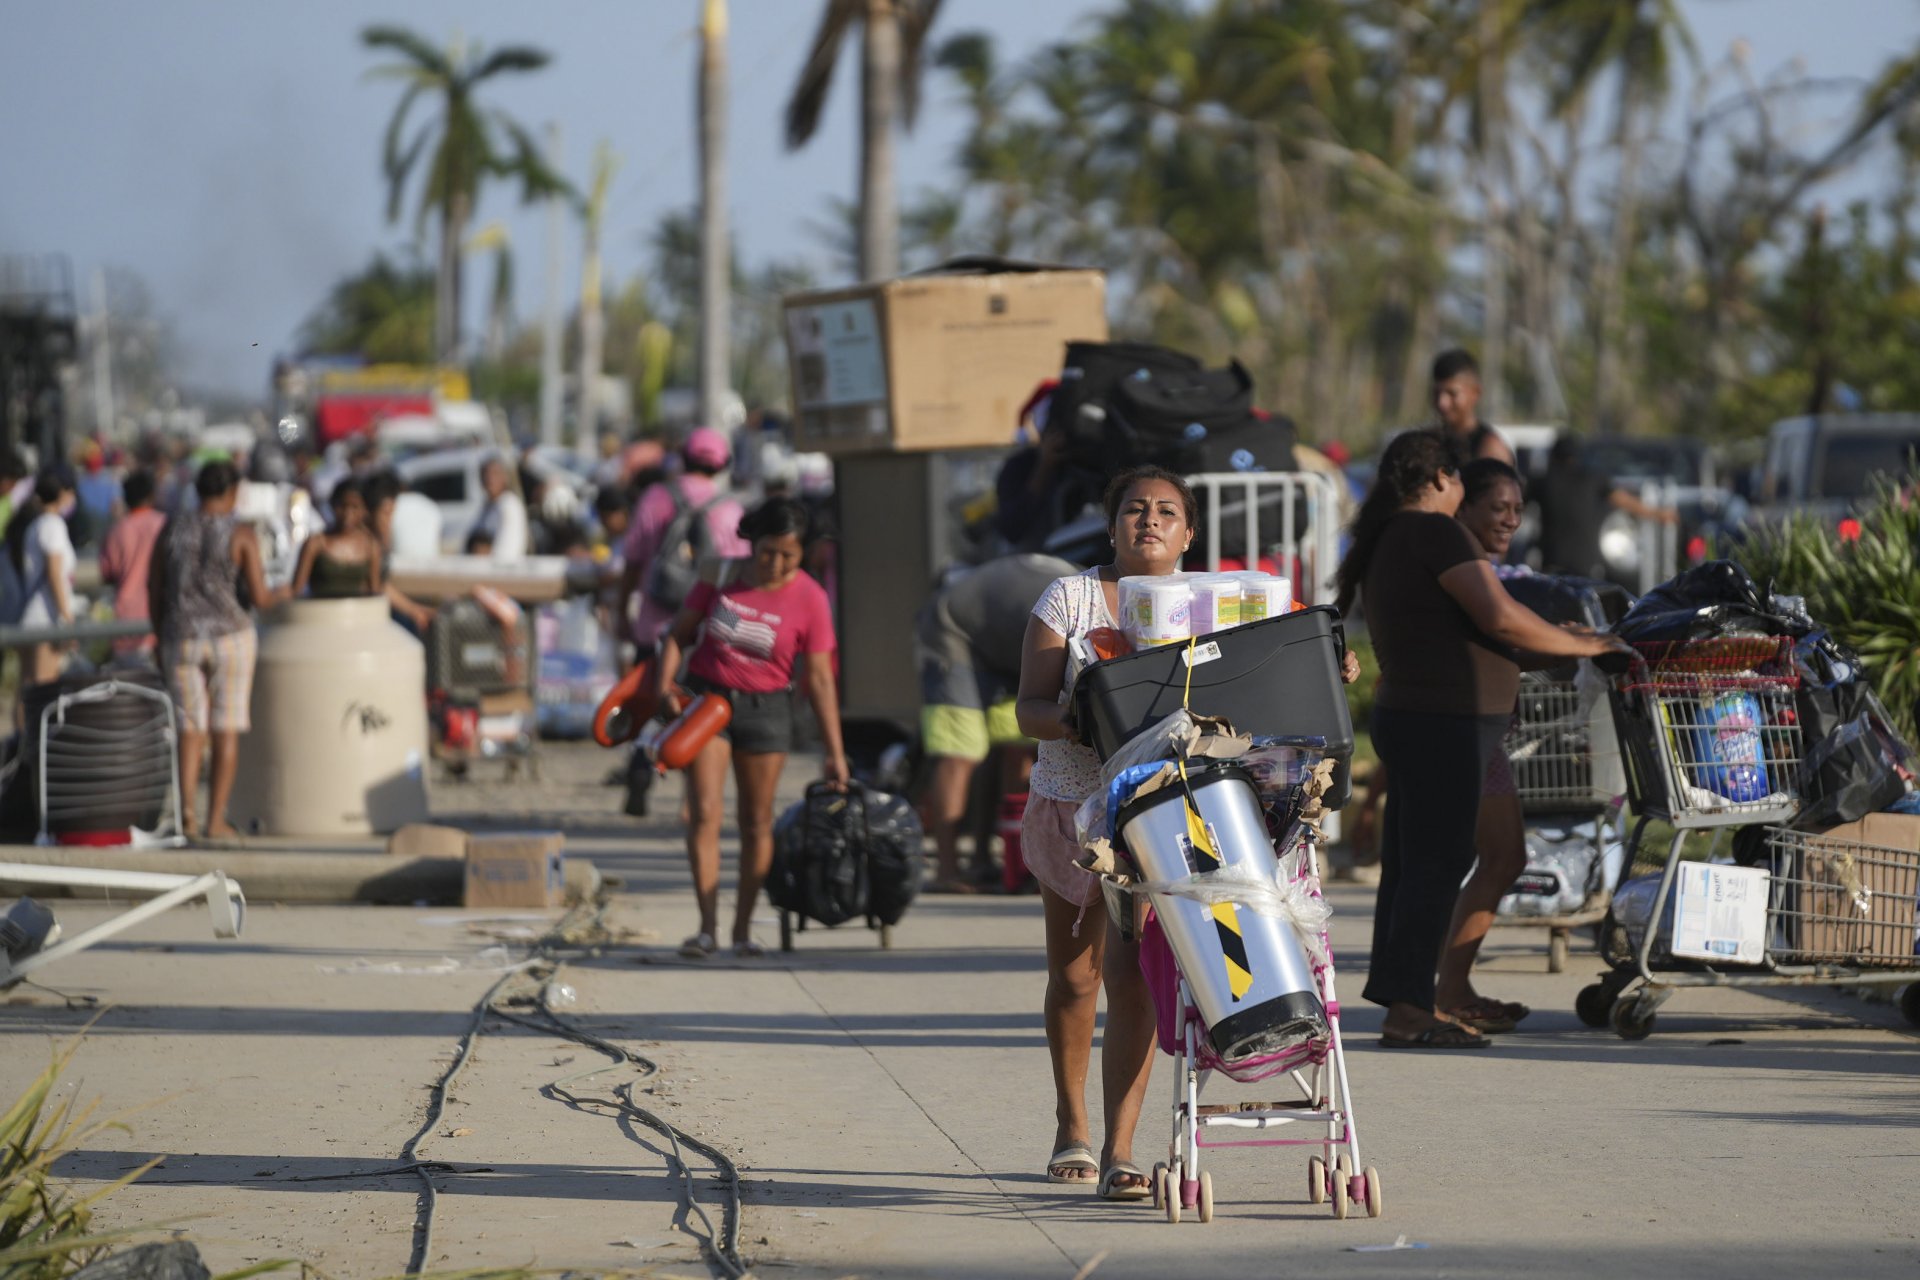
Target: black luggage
1126	404
842	854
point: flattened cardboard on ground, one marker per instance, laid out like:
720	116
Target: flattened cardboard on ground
516	869
427	840
938	360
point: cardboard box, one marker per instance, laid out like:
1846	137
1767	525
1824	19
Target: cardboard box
1720	913
938	360
426	840
522	869
1856	903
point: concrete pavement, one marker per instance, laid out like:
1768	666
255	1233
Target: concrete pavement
891	1111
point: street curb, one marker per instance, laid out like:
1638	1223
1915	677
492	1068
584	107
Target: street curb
285	875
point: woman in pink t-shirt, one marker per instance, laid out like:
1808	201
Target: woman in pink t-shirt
767	622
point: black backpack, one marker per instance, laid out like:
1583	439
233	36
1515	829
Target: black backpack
684	547
842	854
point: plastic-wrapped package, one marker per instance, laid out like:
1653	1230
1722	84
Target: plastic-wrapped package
842	854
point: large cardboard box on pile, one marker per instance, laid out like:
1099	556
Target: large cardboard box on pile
1858	903
939	360
518	869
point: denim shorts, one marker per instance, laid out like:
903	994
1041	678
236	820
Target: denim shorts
762	723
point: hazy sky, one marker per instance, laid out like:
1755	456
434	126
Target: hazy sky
228	150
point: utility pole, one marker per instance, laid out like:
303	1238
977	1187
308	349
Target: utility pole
716	257
550	374
102	358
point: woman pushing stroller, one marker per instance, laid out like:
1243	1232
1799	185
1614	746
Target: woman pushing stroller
1150	521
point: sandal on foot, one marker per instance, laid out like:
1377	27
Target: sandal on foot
1111	1188
1078	1157
1488	1017
1441	1035
698	947
748	949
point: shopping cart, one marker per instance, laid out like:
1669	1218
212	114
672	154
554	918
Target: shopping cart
1569	779
1712	740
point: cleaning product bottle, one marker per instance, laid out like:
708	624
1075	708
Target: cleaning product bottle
1737	767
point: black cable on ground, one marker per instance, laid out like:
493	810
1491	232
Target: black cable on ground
722	1246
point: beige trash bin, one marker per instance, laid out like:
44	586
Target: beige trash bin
339	739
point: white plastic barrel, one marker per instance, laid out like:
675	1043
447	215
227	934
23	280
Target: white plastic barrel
339	738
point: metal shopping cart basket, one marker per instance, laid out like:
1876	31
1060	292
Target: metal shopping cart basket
1568	775
1711	740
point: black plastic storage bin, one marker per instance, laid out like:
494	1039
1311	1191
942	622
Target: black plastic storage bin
1278	677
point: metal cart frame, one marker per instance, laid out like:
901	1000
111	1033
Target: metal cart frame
1581	787
1667	708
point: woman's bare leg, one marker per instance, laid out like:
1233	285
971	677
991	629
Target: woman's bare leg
757	776
1126	1051
1073	998
1502	847
706	807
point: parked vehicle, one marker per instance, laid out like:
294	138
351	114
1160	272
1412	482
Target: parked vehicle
1827	465
451	478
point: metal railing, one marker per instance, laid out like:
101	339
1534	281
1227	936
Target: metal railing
1292	517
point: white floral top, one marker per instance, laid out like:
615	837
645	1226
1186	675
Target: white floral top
1070	607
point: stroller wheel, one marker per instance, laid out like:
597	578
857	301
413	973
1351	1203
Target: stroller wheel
1342	1195
1172	1198
1376	1199
1160	1186
1316	1180
1206	1196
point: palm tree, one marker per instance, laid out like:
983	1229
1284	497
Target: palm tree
1636	41
892	46
716	253
465	145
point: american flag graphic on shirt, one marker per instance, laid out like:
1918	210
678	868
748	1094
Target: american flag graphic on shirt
753	636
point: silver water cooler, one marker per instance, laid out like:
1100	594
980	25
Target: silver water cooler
1250	976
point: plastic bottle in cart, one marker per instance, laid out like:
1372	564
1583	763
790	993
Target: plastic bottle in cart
1735	764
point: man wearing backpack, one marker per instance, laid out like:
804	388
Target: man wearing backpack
679	524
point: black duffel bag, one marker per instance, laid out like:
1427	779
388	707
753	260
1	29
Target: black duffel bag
838	855
1126	404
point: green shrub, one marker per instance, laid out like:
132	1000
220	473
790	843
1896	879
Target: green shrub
1866	590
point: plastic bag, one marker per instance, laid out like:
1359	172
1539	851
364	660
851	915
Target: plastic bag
1848	774
1289	895
1711	601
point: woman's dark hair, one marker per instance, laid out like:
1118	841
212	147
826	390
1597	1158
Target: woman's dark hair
348	488
47	488
1483	474
137	489
1118	486
384	485
216	480
1407	467
775	518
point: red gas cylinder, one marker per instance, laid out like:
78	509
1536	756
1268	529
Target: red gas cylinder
705	716
627	707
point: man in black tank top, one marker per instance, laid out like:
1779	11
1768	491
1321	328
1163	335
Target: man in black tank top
1455	397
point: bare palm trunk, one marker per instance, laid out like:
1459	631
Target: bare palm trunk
1609	393
1493	261
716	300
446	296
592	341
879	108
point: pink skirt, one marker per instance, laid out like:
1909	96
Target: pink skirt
1052	850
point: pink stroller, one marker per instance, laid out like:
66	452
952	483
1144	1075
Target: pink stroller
1316	1066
